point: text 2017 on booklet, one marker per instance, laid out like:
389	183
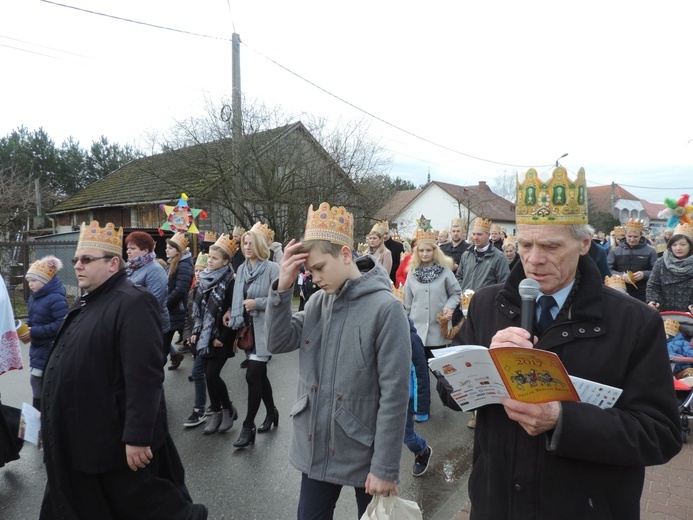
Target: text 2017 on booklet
481	376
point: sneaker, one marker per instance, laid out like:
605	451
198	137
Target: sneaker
209	411
422	417
472	422
197	417
421	462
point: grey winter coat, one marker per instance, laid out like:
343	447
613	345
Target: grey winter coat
477	272
154	278
353	389
258	290
671	283
423	302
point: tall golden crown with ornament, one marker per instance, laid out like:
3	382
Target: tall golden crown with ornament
107	239
560	200
333	224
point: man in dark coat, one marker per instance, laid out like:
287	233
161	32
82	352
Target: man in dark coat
457	244
570	460
633	254
108	452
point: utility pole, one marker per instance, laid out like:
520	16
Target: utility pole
237	120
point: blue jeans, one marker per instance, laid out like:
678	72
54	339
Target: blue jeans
318	499
414	442
198	375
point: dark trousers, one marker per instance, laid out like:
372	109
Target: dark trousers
218	393
318	499
259	389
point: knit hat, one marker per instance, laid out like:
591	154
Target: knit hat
44	270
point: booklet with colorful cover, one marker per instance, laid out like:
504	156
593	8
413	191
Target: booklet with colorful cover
480	376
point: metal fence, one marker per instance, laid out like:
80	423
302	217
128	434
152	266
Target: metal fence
17	257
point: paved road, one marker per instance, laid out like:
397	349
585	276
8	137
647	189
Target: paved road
258	482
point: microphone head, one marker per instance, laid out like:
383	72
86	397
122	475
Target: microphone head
529	289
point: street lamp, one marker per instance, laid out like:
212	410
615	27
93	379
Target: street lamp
561	157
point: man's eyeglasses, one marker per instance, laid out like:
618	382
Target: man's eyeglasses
86	260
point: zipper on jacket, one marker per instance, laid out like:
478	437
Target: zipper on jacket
332	426
313	392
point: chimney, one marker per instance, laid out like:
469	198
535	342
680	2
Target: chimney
482	184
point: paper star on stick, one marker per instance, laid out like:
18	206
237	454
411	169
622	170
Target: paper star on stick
181	217
424	223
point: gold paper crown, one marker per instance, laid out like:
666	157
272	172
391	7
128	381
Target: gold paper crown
334	224
265	230
481	224
202	260
238	230
558	201
671	327
362	248
457	222
210	236
228	244
495	227
396	237
181	240
466	298
619	230
422	236
106	239
44	269
381	227
398	292
634	225
615	282
685	230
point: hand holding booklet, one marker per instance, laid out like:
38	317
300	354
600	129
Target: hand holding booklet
480	376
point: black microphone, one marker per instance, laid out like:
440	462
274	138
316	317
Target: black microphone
529	290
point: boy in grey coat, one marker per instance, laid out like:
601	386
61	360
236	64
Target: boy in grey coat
355	355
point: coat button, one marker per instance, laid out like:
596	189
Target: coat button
581	331
517	487
564	334
597	329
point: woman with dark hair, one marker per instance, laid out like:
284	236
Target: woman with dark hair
212	341
670	286
143	269
253	281
180	276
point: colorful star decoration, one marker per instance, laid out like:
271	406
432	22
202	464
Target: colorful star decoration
181	217
677	211
424	223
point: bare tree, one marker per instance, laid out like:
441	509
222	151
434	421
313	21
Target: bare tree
274	170
18	201
505	185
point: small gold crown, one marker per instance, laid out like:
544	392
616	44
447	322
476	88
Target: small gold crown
457	222
381	227
495	227
265	230
671	327
466	298
558	201
181	240
228	244
106	239
422	236
202	260
44	269
481	224
398	292
615	282
210	236
619	230
396	237
634	225
334	224
684	229
362	248
238	230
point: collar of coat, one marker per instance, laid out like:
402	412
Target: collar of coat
587	302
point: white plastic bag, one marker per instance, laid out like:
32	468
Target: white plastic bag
392	508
